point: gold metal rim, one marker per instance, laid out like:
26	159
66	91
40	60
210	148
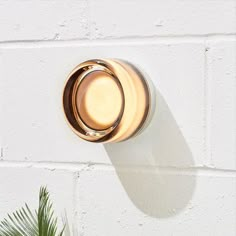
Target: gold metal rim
88	130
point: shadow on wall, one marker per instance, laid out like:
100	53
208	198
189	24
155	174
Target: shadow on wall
158	192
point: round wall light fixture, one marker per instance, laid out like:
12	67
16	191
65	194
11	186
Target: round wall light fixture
107	100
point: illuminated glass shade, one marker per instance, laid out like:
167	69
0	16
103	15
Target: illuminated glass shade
106	100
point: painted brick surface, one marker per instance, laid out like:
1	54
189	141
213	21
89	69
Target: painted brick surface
222	99
171	17
60	20
43	20
37	82
150	202
179	176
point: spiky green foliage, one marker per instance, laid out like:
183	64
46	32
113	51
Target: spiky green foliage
24	222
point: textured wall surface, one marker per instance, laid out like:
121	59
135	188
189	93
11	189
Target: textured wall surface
178	177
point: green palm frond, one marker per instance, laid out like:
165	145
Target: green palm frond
24	222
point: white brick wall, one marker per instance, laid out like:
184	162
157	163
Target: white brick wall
179	176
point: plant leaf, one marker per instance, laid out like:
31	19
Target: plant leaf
26	223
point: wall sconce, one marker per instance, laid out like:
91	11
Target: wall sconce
107	100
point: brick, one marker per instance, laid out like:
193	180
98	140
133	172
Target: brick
43	20
222	100
150	202
63	20
33	114
158	18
